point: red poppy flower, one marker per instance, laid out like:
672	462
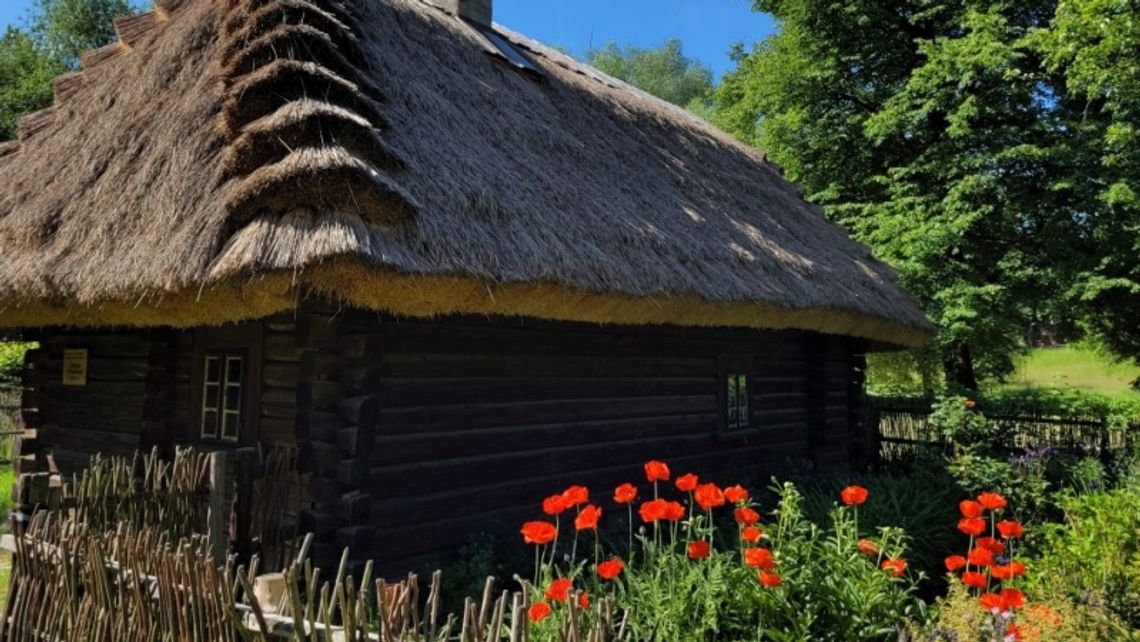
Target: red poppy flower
867	547
1010	529
699	550
1012	599
625	493
687	482
656	471
894	567
972	525
554	505
980	557
587	520
970	508
709	496
990	602
736	494
673	511
559	589
751	534
970	404
745	515
771	580
539	533
974	579
576	496
539	612
954	563
992	501
1017	569
853	495
759	558
1001	572
610	569
992	545
1012	632
584	601
652	510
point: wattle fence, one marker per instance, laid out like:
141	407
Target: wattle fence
903	428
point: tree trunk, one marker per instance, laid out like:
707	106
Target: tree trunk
959	365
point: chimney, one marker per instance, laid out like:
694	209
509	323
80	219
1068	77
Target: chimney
477	11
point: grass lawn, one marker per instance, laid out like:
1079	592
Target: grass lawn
1077	367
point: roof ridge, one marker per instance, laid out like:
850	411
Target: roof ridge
301	121
128	30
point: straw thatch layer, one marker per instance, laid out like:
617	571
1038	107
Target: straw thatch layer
239	152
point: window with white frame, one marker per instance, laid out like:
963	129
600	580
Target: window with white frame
223	376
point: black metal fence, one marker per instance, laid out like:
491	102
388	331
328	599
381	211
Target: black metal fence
904	429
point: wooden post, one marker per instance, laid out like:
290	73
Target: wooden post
221	505
246	459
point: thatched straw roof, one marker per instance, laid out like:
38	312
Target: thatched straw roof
229	155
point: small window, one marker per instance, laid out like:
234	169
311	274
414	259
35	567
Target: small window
735	392
736	397
223	378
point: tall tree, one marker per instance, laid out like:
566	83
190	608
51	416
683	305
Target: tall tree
25	79
663	71
57	32
1095	45
935	133
67	28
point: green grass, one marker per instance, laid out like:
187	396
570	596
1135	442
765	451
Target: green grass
1077	367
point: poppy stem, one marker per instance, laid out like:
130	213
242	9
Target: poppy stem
537	556
629	506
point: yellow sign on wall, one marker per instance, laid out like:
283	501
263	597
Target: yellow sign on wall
75	367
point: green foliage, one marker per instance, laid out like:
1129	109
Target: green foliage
1094	556
25	79
58	31
664	72
951	137
829	590
1048	618
67	28
12	358
920	502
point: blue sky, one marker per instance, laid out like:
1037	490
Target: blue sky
706	27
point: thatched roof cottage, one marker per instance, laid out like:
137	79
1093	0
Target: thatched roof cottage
454	266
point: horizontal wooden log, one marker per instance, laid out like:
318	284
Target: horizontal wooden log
433	418
322	366
519	366
544	340
395	393
282	347
362	347
318	425
88	440
281	375
321	332
442	445
128	345
357	441
354	507
320	523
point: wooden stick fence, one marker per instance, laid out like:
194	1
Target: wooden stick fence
70	583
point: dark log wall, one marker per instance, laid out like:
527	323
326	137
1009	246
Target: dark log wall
476	421
420	433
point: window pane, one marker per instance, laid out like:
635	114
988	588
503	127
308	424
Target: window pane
234	369
233	398
213	370
210	400
209	423
230	426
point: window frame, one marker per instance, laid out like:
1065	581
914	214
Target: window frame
244	341
731	366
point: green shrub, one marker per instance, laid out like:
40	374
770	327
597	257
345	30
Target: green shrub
12	358
921	502
827	588
958	617
1095	552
